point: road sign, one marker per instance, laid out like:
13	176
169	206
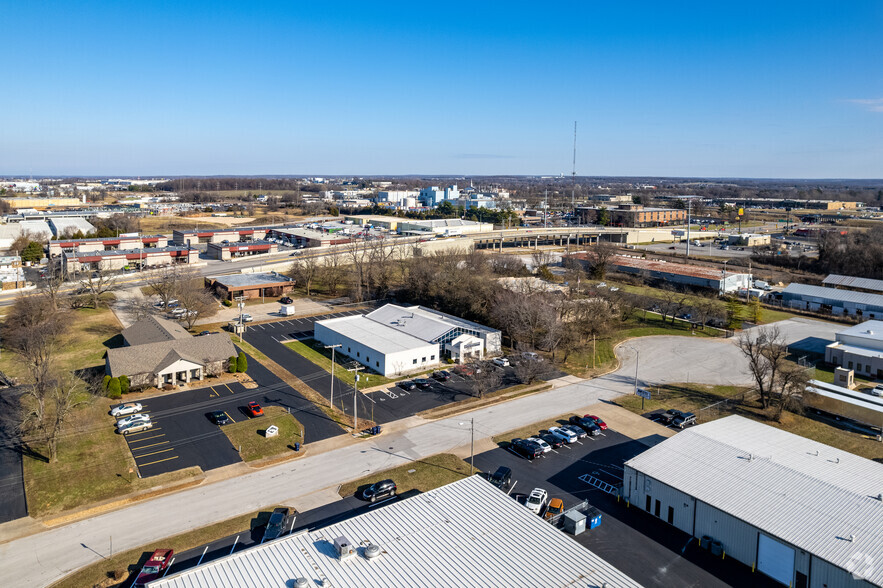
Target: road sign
644	393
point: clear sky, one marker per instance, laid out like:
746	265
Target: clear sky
723	89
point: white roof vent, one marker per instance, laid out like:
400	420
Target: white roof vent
372	551
301	583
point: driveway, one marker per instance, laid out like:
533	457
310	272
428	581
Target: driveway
12	488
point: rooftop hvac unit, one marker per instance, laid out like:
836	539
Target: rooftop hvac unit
344	548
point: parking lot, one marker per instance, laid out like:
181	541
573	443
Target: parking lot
183	436
641	545
382	406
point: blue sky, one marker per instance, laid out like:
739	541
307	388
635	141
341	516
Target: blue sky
739	89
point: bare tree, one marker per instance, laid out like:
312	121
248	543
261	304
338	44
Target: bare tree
48	409
766	353
528	370
304	271
788	390
600	256
485	379
100	282
31	330
52	280
332	273
197	303
165	282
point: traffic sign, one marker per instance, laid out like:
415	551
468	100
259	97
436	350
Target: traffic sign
644	393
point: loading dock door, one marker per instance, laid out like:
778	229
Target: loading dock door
775	559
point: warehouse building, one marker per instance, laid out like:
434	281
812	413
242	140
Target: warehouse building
303	237
803	513
228	251
853	283
631	215
467	533
59	246
118	259
250	285
230	235
62	227
859	348
675	273
443	226
749	239
395	340
820	299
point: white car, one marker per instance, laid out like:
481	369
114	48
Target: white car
124	409
135	418
543	445
563	434
537	500
876	390
179	312
247	318
135	428
501	361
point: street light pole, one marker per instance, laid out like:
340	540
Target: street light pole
356	397
471	444
332	348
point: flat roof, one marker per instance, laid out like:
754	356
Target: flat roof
835	294
245	280
466	533
806	493
377	336
656	265
854	282
146	251
871	330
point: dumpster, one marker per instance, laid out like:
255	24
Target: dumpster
593	517
716	548
574	522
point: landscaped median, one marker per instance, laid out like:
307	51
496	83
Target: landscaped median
119	569
249	435
420	475
316	353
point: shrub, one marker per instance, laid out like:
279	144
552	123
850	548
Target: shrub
228	303
105	382
232	367
113	388
242	363
124	384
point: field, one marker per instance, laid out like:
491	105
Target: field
248	434
421	475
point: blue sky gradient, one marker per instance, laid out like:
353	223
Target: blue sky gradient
742	89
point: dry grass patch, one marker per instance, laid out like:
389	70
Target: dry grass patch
248	434
420	476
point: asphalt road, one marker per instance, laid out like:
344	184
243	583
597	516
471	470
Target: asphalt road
183	436
649	550
13	504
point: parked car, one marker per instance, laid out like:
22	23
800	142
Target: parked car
876	390
501	361
286	300
179	312
555	508
464	370
553	440
525	449
134	427
578	431
684	420
423	382
124	409
219	417
530	355
502	478
543	445
564	434
598	421
254	409
406	385
537	500
668	417
154	567
278	524
134	418
587	424
379	490
247	318
203	333
441	376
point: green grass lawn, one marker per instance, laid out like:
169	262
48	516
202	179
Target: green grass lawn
695	397
316	353
94	464
421	475
248	434
130	562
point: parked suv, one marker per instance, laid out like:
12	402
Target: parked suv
502	478
278	523
586	424
684	419
379	490
525	448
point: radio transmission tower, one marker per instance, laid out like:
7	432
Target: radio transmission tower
573	176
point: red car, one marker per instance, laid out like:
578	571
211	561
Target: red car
154	568
598	421
254	409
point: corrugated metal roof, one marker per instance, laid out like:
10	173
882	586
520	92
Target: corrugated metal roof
63	225
808	494
246	280
854	282
466	533
834	294
377	336
412	321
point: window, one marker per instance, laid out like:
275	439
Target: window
431	358
423	360
649	501
656	508
348	350
357	354
671	515
415	362
858	367
368	359
377	363
850	365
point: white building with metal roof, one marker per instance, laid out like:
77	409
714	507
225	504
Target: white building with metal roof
859	348
464	534
394	340
803	513
854	283
833	300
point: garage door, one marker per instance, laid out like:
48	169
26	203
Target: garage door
775	559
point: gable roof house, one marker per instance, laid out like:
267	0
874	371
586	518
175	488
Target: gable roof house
161	352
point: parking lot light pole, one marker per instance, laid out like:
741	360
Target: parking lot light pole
332	348
471	445
356	396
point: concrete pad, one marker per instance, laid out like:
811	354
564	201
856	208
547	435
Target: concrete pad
314	500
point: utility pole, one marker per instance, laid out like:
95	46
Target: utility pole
573	176
637	356
356	397
241	301
688	228
332	348
472	446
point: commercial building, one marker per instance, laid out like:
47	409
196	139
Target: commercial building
228	251
443	226
76	261
749	239
843	403
395	340
398	197
250	285
859	348
803	513
304	237
232	235
160	352
64	227
59	246
833	300
467	533
433	195
632	215
37	230
389	223
12	276
676	273
853	283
